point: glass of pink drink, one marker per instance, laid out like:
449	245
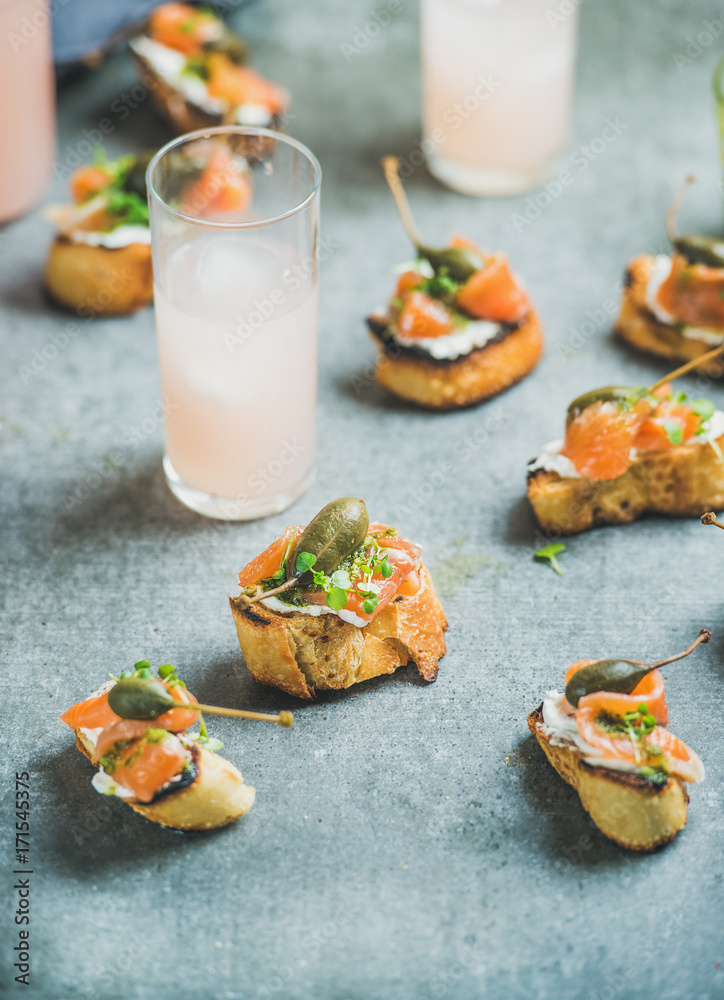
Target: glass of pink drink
497	82
234	222
27	105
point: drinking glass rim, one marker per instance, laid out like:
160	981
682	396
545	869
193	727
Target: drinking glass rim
203	133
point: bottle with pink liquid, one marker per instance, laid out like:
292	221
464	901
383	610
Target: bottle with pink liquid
27	104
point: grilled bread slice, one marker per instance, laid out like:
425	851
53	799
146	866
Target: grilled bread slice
638	326
683	481
93	280
625	807
451	385
302	653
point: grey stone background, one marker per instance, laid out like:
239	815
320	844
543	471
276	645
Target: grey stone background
407	840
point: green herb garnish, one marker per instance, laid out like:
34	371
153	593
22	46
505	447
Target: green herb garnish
128	208
336	599
441	286
548	554
674	431
704	409
305	561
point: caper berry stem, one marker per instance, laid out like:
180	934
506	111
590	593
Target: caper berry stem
261	594
704	636
694	363
673	209
284	719
710	518
391	167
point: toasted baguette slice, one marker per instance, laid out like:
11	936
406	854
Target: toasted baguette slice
683	481
185	116
625	807
452	385
638	326
302	654
99	279
216	796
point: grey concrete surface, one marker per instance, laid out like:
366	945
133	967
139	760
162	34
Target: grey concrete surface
408	841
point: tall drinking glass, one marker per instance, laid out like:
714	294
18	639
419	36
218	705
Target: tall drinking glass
497	82
27	104
234	220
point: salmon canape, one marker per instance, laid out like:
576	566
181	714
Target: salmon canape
673	304
337	602
200	74
628	451
156	765
607	736
100	259
459	327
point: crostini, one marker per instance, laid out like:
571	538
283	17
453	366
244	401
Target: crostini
336	603
673	304
161	770
629	451
199	73
613	748
459	328
100	259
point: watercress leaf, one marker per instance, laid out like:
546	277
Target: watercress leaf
336	598
548	554
166	670
340	578
704	408
141	664
369	605
305	561
386	570
674	431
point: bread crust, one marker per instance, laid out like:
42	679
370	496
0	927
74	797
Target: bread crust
216	797
638	326
452	385
625	807
185	116
302	653
99	279
684	481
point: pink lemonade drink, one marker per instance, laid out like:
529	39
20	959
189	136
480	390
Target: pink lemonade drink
27	106
497	80
237	339
236	317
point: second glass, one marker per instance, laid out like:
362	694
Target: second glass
497	82
234	225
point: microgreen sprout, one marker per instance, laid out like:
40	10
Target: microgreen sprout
305	561
548	554
674	431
